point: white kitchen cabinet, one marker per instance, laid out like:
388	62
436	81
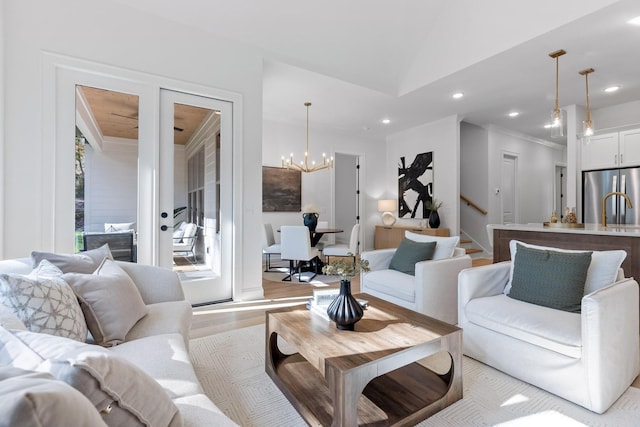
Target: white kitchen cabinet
612	150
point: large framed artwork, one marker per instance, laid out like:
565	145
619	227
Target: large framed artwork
415	186
281	190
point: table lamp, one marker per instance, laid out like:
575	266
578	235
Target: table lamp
387	206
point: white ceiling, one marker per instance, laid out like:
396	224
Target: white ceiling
358	61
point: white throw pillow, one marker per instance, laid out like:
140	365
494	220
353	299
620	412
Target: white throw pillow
36	399
44	302
110	301
125	394
444	245
9	320
602	272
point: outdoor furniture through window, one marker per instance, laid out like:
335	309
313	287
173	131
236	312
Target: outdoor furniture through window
120	244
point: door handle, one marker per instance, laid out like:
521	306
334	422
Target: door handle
164	228
164	214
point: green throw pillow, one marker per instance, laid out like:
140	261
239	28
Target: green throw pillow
549	278
410	252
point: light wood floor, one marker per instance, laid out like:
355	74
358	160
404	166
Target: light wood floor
216	318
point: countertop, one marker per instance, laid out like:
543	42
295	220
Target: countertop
610	230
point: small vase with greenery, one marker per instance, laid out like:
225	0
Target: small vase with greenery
345	310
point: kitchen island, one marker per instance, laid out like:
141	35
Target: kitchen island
591	237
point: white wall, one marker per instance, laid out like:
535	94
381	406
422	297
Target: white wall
616	116
112	34
283	138
443	138
536	169
474	181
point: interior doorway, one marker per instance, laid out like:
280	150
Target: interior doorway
347	194
559	190
508	188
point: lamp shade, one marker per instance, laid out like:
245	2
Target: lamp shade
387	205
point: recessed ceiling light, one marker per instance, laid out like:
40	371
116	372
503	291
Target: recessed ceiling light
386	121
514	114
457	95
634	21
612	88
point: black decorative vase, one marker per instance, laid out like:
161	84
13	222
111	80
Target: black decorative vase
345	310
434	219
310	219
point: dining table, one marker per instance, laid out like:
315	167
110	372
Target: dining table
319	232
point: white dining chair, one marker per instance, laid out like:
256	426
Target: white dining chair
269	246
295	244
343	250
321	225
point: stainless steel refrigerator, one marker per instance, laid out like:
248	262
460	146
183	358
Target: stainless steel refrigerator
597	184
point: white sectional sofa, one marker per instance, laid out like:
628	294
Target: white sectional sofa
157	345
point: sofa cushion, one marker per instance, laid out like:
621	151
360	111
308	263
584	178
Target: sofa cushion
392	282
444	245
164	358
408	253
110	301
550	278
602	272
164	318
44	302
556	330
84	262
126	394
36	399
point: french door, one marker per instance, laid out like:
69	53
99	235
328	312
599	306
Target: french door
190	176
153	169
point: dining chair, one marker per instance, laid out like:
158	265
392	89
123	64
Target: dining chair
343	250
295	243
321	225
269	246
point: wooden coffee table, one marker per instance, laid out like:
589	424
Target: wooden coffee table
369	376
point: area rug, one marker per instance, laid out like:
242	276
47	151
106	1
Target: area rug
230	367
277	273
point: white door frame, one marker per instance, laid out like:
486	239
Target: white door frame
516	202
60	76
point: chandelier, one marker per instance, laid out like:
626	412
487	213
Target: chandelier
587	124
304	165
557	117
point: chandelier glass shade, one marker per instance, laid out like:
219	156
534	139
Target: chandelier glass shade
557	115
304	165
587	125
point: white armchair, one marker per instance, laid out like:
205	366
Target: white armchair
589	358
432	291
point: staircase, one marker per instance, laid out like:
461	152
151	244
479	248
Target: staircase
472	248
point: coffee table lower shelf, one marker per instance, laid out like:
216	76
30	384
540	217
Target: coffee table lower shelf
404	396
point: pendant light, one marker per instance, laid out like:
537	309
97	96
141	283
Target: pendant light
587	125
557	115
304	166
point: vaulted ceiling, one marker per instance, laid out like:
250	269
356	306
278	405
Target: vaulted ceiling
359	61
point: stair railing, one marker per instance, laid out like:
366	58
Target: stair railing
473	205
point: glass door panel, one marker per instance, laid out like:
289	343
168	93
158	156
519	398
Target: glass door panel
196	244
106	171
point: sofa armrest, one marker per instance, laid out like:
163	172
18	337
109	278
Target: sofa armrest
378	259
154	283
611	339
437	287
478	282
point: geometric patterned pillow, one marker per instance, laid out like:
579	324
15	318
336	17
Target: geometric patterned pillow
44	302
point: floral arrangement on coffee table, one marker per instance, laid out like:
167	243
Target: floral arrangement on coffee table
346	268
